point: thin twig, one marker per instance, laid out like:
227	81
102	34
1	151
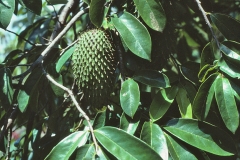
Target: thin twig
53	8
9	137
69	46
47	50
63	17
75	103
21	37
207	21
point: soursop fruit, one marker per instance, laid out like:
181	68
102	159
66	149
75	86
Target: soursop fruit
94	65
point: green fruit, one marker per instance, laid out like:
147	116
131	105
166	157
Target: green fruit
94	66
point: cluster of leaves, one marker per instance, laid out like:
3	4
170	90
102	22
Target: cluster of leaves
174	104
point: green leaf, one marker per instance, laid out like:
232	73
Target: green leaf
32	80
13	59
184	103
226	104
22	99
236	91
64	149
33	99
190	89
152	13
229	68
207	55
209	100
189	70
86	152
161	102
6	93
123	145
34	6
65	56
231	49
202	135
231	52
7	8
152	78
199	103
97	12
153	135
27	32
129	97
228	26
177	150
134	34
99	120
233	46
128	124
102	155
206	71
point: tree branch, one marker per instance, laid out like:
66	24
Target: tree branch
50	46
75	103
62	18
207	21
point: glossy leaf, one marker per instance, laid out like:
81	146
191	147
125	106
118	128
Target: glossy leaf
184	103
236	91
228	26
231	53
97	12
229	68
32	80
99	120
153	135
152	78
233	46
199	103
101	155
64	149
22	98
210	99
129	97
7	8
152	13
63	59
128	124
206	71
207	55
202	135
189	70
226	104
124	145
190	89
6	92
162	101
177	150
134	34
13	59
86	152
34	6
231	49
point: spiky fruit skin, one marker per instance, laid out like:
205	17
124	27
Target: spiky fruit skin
94	65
